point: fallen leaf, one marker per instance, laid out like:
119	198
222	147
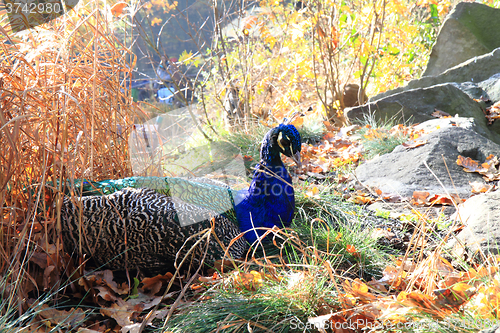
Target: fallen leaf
478	187
312	193
153	285
443	199
413	143
379	233
440	114
71	318
493	113
352	250
249	281
487	169
420	197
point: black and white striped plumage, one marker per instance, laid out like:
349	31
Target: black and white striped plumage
144	222
139	228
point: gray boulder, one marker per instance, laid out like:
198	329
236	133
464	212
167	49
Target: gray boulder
470	30
474	70
403	171
491	88
440	123
417	105
481	217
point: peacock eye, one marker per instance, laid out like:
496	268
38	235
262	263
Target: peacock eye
283	141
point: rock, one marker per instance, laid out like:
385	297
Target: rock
403	171
348	98
473	70
417	105
467	32
491	87
440	123
481	216
396	210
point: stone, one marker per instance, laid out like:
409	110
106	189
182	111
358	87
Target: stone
481	216
491	88
403	171
474	70
440	123
348	98
469	30
417	105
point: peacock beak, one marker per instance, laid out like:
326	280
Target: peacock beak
296	159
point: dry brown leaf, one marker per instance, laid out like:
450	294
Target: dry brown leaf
468	164
493	112
71	318
119	312
487	169
414	143
361	199
154	284
420	197
443	199
359	290
39	259
440	114
49	277
106	293
478	187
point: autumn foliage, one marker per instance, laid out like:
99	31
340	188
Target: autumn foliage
67	113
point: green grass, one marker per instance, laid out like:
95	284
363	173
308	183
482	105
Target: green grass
330	224
273	307
300	259
384	142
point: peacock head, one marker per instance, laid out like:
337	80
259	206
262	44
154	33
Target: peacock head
284	139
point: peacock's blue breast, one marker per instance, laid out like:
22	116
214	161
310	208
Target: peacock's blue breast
268	202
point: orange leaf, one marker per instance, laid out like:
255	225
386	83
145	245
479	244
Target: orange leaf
117	8
298	121
468	163
249	22
413	143
420	197
155	283
352	250
478	187
440	199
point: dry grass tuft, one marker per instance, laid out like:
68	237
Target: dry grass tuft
65	113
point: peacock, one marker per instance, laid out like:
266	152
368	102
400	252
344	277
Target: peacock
148	223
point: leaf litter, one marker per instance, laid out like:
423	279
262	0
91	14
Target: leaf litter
408	288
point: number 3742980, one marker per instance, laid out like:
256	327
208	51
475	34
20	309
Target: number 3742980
33	8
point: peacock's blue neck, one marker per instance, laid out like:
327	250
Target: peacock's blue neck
269	201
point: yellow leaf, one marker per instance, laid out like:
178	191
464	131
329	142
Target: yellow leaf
296	95
156	21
